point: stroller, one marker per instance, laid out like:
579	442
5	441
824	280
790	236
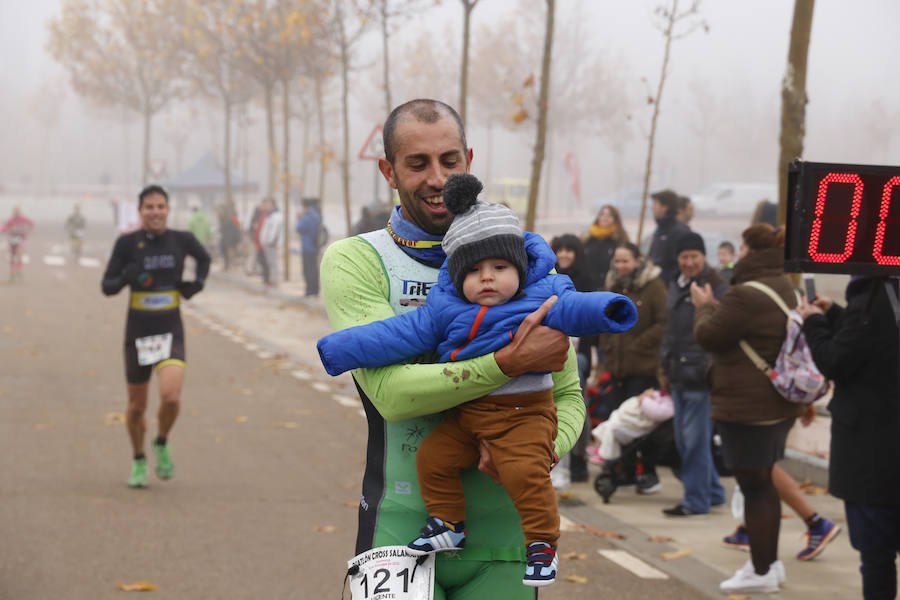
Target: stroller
618	472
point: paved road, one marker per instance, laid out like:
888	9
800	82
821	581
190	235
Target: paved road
269	456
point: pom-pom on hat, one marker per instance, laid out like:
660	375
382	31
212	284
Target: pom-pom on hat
480	230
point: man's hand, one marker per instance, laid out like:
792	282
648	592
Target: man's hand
130	273
534	348
486	462
188	288
823	302
701	295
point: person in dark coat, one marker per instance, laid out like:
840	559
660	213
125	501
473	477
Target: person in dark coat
570	260
684	365
668	231
602	238
309	226
752	418
858	347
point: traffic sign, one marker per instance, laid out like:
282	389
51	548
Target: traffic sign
373	149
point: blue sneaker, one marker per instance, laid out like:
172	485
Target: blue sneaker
818	537
541	565
437	537
739	540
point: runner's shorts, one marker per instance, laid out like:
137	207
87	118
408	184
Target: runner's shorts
142	328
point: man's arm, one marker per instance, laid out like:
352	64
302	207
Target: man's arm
119	271
569	404
355	291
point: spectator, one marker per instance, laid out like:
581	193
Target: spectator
684	364
685	210
229	233
858	348
726	261
668	231
765	212
198	224
309	226
257	221
752	418
632	358
270	237
570	260
600	242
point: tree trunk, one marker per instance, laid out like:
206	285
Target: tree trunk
229	201
320	115
656	103
793	99
543	107
384	50
286	122
345	116
304	163
468	5
145	171
270	131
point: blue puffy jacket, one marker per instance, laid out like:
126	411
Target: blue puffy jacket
447	322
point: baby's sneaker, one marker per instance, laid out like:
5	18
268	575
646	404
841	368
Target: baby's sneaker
541	564
438	536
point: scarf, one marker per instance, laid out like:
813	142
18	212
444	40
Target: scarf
601	233
419	245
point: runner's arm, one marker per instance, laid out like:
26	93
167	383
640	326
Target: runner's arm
118	270
196	249
569	404
355	291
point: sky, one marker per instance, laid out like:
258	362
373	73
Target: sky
732	74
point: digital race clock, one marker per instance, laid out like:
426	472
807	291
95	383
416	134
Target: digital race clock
843	219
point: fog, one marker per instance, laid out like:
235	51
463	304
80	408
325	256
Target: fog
719	118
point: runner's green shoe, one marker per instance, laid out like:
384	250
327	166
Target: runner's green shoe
138	473
165	468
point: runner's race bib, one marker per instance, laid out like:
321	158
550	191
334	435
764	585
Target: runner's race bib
391	572
153	349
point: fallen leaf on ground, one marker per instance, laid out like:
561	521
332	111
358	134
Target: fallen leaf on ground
114	418
44	427
240	419
247	391
566	495
738	597
786	516
287	425
8	329
681	553
351	504
325	528
140	586
574	556
602	532
659	538
305	412
576	579
814	490
91	372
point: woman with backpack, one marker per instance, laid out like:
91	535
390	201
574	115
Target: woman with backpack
752	417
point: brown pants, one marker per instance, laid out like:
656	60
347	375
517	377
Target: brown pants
519	429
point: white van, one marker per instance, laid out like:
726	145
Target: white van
732	199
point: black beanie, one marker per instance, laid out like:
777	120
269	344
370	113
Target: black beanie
690	241
480	230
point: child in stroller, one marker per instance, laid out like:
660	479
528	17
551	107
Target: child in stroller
643	421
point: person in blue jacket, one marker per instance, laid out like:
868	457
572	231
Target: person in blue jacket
494	276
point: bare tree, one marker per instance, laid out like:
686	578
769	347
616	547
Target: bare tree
468	6
537	160
671	19
793	99
120	53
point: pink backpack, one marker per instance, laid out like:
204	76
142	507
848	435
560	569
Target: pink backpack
795	374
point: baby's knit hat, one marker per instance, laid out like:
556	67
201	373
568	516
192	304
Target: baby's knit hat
480	230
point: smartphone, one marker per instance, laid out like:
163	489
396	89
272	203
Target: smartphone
809	286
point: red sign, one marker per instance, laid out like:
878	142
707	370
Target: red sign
373	149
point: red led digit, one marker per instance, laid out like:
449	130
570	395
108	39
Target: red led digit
850	236
882	224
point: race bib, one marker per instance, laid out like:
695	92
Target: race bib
391	572
153	349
